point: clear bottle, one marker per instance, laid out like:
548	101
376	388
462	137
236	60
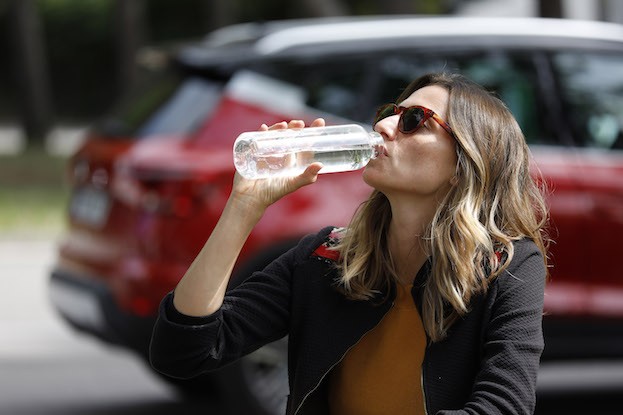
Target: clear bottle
288	152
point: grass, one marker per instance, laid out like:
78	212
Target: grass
33	194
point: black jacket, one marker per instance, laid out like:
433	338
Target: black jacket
487	364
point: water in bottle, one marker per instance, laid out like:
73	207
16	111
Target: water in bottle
288	152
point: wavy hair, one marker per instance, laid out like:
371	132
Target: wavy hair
495	201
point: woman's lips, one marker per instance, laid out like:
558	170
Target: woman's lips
381	151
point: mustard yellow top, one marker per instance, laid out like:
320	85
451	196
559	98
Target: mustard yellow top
382	373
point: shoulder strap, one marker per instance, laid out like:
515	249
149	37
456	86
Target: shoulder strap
327	250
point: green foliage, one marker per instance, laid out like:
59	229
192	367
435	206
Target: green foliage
168	20
80	48
249	10
80	38
431	6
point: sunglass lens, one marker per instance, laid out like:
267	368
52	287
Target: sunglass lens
412	119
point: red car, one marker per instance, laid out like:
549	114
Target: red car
151	180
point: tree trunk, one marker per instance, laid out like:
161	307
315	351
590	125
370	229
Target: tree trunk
130	36
323	8
30	69
400	7
551	8
219	13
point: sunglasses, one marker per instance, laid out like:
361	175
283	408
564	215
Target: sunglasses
411	118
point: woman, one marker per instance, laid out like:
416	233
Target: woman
429	303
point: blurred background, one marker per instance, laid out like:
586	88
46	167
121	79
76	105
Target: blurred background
66	64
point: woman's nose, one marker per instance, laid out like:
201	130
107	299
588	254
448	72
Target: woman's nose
388	127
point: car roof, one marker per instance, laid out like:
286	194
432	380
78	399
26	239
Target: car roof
436	27
346	34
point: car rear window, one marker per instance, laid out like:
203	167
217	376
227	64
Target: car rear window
163	105
184	110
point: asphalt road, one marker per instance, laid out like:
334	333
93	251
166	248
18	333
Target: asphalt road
47	368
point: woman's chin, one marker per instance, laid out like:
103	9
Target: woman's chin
373	176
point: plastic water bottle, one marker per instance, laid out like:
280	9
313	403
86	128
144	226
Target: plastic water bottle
288	152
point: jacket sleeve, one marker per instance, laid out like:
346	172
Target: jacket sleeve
253	314
513	339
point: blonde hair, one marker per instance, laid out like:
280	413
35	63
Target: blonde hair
495	201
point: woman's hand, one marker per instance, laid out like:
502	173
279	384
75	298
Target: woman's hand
201	290
257	195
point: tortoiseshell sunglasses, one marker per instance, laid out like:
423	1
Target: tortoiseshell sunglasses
411	118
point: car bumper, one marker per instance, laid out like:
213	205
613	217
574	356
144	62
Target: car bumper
89	306
582	338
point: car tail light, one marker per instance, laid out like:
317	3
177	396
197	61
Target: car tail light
168	198
166	194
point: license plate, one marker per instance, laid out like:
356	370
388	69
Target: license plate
90	206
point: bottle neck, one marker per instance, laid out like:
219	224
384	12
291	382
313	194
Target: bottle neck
377	143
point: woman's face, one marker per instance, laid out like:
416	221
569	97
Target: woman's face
422	163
